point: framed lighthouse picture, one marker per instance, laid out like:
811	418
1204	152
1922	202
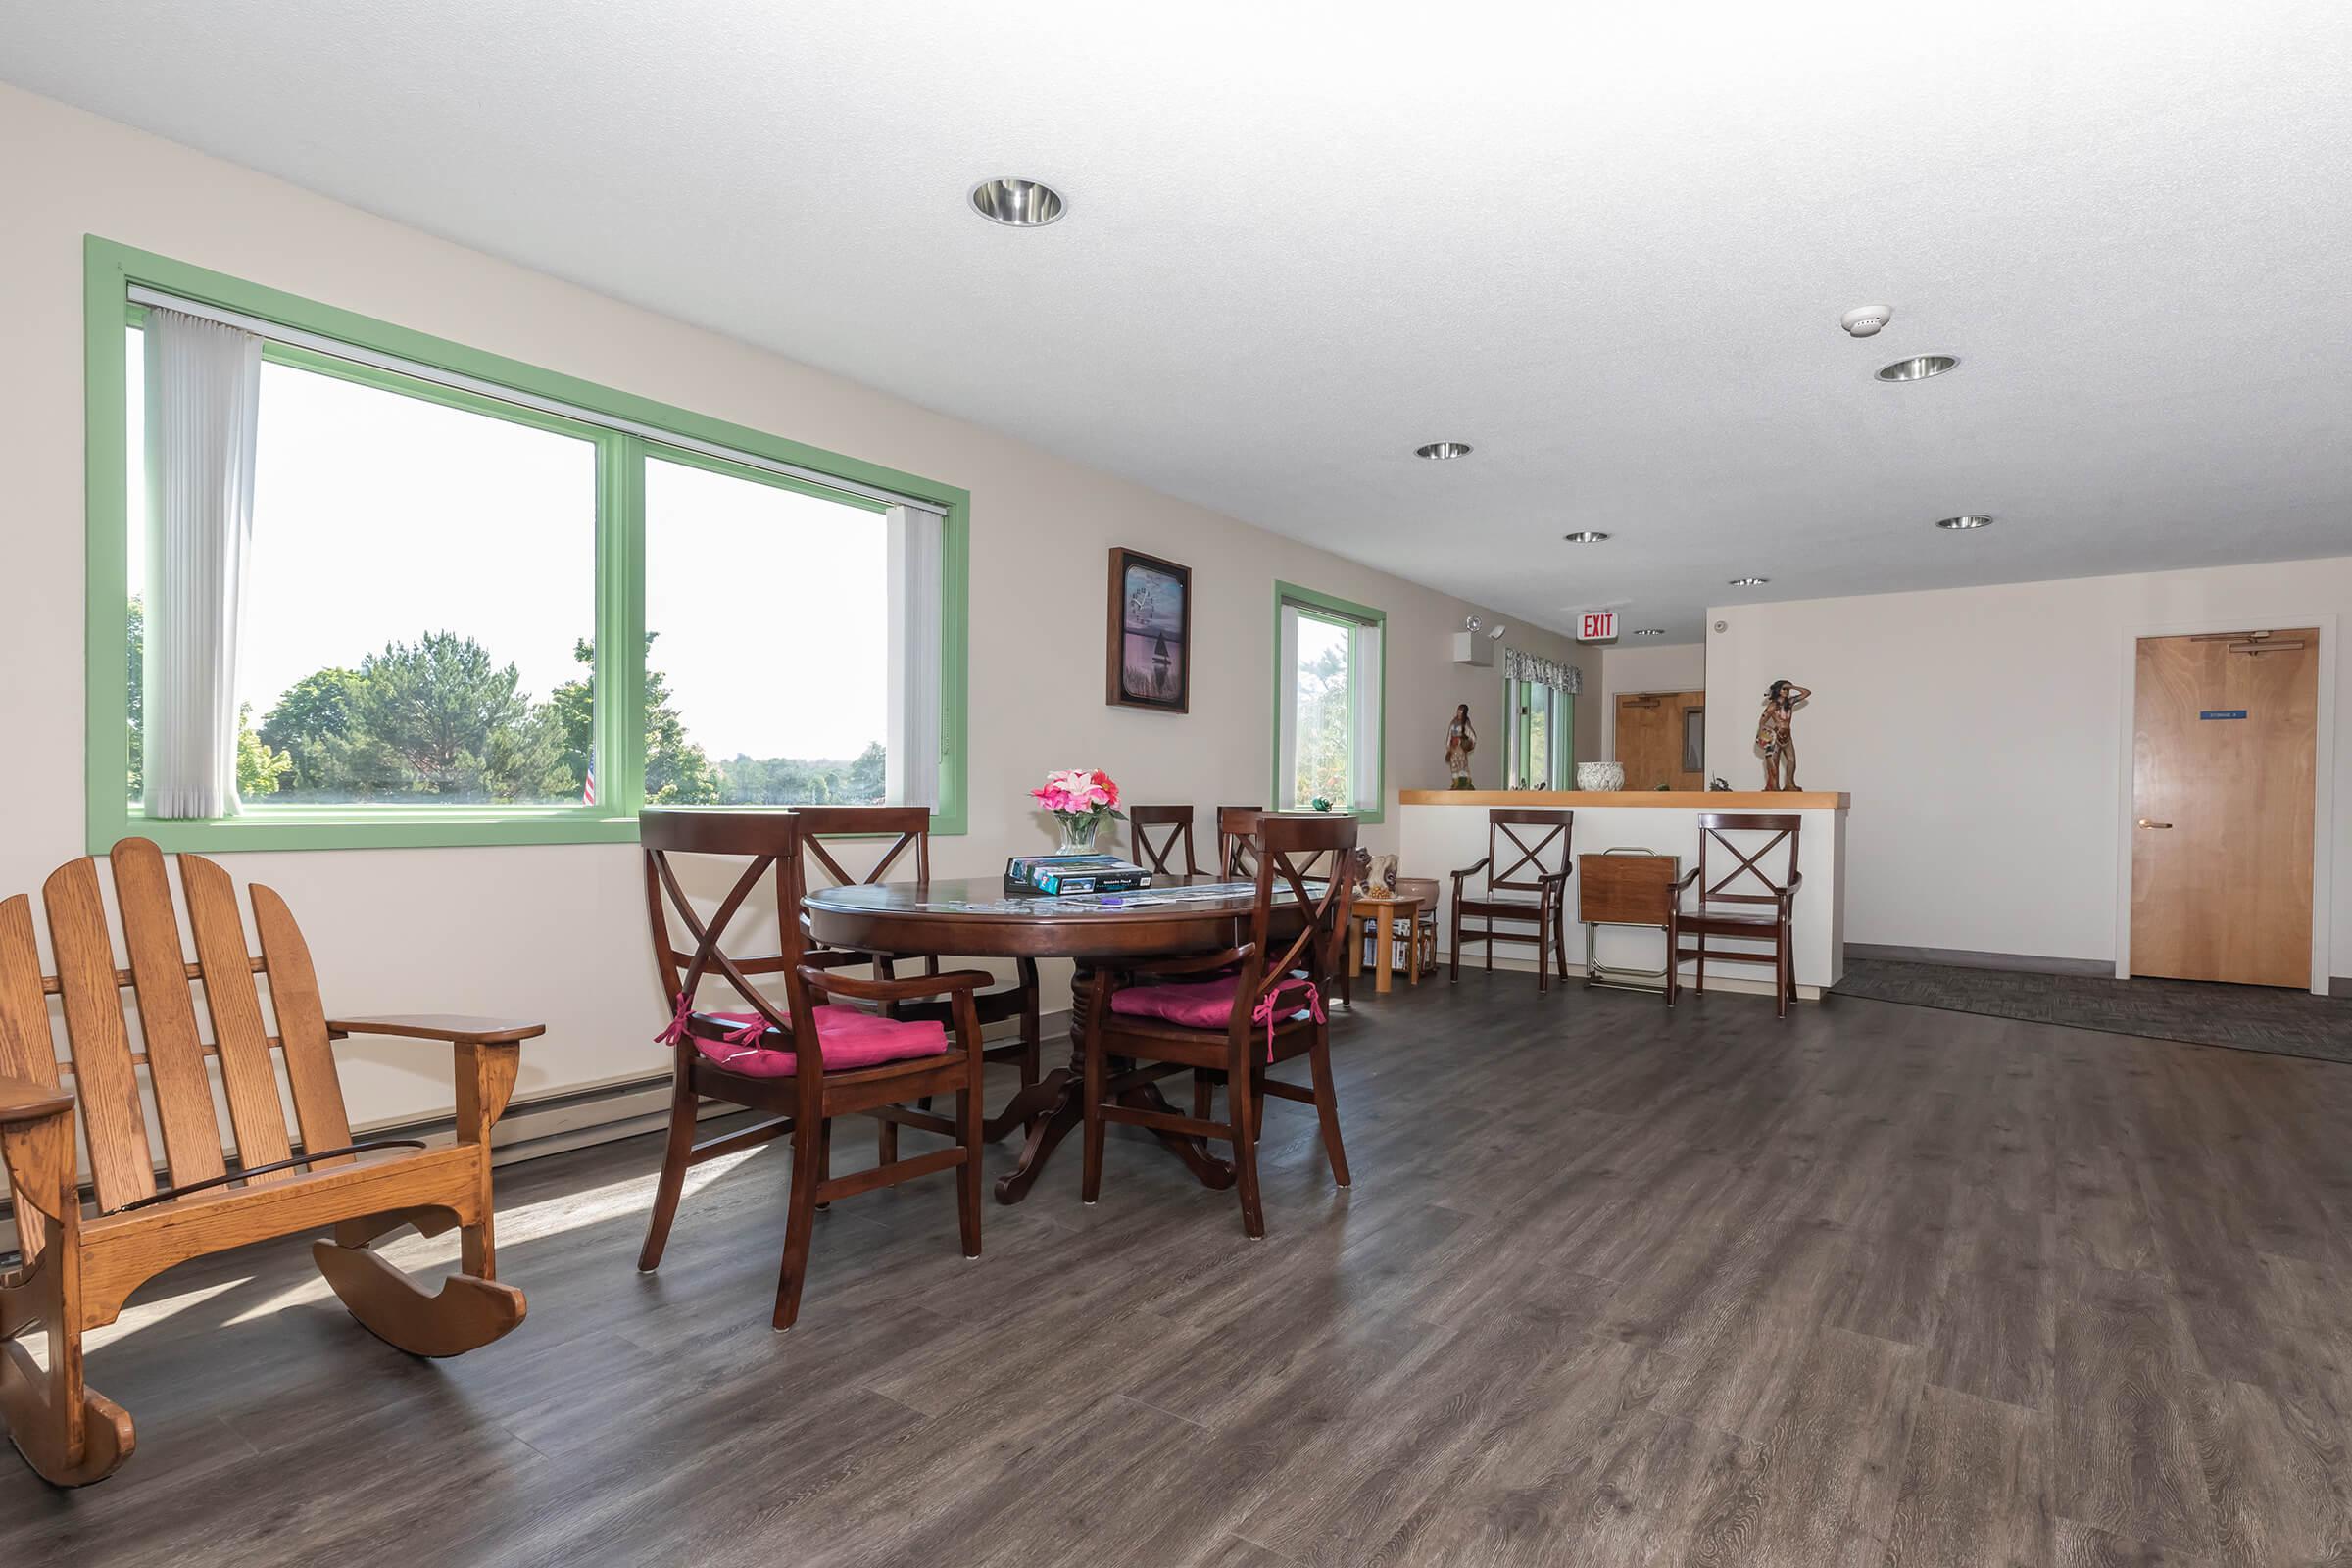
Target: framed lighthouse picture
1149	656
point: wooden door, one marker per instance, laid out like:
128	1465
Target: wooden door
2225	732
1649	740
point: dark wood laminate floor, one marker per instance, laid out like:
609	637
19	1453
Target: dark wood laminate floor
1881	1285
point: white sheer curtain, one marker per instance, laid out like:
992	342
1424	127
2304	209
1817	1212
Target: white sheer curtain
917	574
204	390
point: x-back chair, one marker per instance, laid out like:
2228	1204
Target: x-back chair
80	1269
1266	1007
803	1062
1154	855
1527	866
832	834
1763	905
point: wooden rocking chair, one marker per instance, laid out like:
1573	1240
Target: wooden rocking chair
78	1270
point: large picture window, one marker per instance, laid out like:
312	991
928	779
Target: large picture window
350	585
1329	703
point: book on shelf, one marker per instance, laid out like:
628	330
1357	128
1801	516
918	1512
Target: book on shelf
1059	874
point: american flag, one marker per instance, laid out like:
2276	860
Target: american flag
588	788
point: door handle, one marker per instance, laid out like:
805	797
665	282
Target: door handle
2144	822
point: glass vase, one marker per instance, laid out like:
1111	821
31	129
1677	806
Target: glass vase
1078	835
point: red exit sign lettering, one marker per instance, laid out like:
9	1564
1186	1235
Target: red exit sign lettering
1597	627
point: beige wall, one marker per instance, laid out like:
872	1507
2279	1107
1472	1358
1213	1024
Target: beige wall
557	932
1984	733
1635	667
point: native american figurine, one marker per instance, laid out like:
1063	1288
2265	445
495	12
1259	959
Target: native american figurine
1773	737
1460	741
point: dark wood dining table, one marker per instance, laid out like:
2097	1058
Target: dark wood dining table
974	917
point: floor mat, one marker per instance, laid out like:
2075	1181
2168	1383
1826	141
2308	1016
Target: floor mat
2285	1023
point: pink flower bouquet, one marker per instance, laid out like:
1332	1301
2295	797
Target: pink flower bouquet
1081	801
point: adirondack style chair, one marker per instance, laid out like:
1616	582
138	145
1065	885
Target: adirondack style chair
78	1269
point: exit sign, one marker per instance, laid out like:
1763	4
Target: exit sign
1598	627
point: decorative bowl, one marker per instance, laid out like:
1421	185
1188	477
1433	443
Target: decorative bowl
1600	775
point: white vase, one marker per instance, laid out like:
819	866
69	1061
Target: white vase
1599	776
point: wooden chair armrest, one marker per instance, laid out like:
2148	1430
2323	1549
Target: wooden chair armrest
1795	880
1472	870
907	989
24	1101
450	1028
1689	877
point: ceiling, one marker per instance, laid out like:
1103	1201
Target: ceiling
1607	246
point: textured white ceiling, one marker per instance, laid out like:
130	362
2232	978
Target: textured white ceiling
1607	245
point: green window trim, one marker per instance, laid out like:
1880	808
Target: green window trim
1347	612
110	271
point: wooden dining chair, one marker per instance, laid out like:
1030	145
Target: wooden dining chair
1763	905
803	1063
1524	887
1237	840
78	1270
1142	822
1268	1008
895	840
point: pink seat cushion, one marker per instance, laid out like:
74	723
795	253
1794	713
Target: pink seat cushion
847	1038
1195	1004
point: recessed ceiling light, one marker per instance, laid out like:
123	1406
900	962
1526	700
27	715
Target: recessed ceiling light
1918	367
1016	203
1973	519
1440	451
1652	632
1749	582
1585	536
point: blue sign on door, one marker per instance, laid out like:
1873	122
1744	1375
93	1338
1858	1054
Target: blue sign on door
2223	713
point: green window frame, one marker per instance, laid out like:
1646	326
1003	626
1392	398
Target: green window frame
112	269
1312	605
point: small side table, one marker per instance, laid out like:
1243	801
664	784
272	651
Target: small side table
1384	915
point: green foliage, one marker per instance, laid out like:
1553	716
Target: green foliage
135	624
259	768
311	715
676	770
1320	758
441	717
437	716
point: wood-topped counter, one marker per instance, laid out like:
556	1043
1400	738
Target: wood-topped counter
1681	800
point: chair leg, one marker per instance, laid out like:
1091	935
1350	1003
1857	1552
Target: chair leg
886	1141
1242	1109
967	1174
1698	972
673	1181
800	1221
1559	937
1204	1095
1327	1107
1454	957
1781	980
824	1150
70	1432
1543	953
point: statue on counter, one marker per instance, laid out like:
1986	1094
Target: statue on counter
1773	737
1460	741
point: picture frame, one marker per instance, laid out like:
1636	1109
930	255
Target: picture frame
1148	651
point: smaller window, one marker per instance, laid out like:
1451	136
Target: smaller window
1538	735
1329	703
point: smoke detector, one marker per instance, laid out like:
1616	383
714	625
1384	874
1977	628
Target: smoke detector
1864	320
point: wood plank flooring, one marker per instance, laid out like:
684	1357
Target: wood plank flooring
1883	1285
